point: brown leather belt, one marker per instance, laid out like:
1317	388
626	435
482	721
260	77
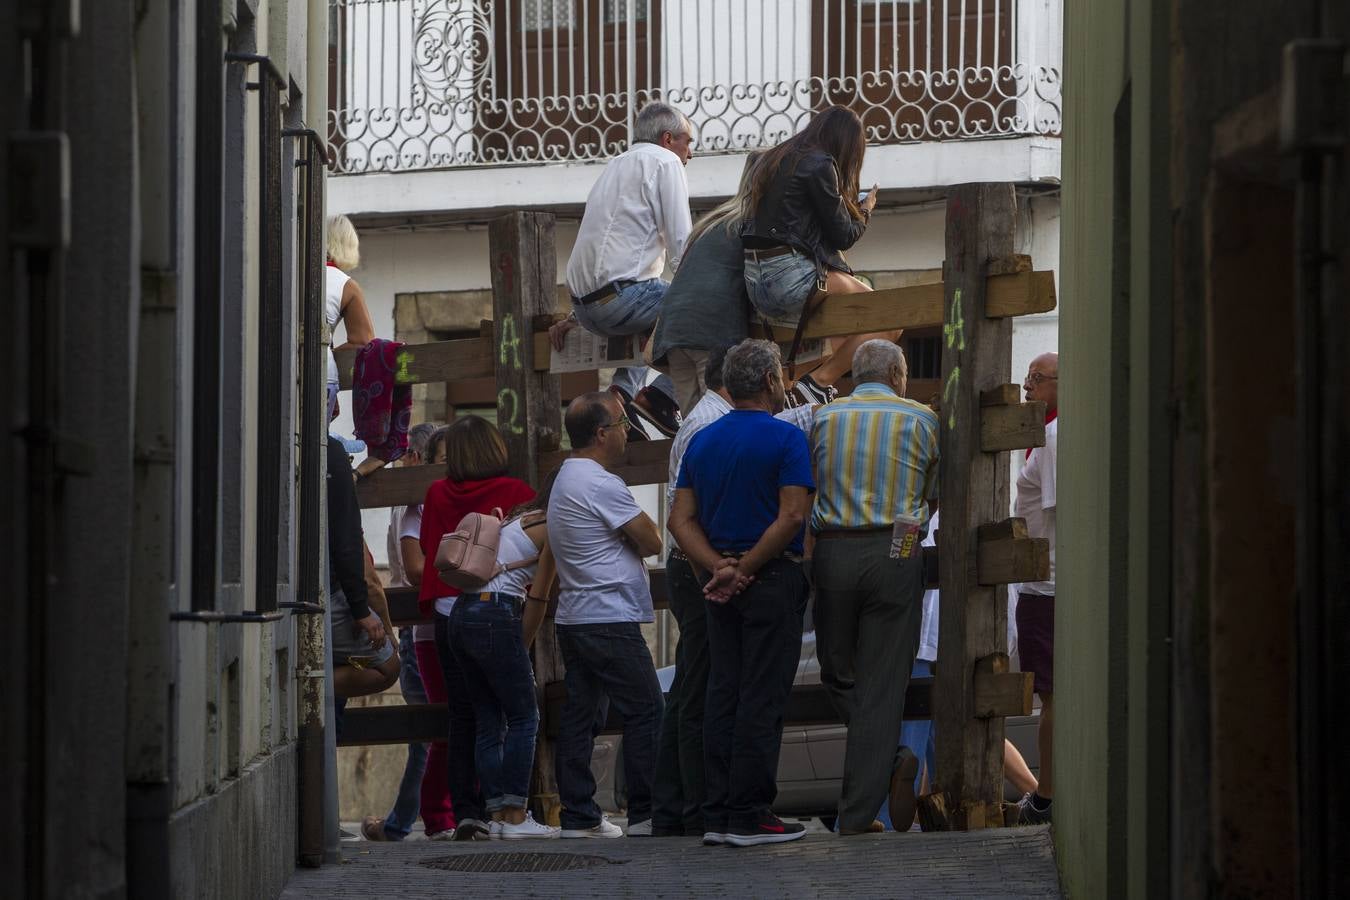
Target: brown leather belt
769	253
868	532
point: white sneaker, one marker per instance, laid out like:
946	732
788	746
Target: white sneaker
641	829
495	830
527	830
606	829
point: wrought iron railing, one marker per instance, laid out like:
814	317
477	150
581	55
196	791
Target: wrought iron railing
432	84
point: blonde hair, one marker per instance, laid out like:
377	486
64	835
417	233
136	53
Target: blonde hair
344	247
728	213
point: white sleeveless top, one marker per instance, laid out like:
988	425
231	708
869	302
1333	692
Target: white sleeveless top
335	283
514	546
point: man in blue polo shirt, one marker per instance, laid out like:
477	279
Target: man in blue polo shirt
741	502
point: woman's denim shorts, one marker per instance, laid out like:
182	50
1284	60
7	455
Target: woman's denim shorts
780	286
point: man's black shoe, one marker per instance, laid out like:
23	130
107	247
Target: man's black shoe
668	831
630	411
658	409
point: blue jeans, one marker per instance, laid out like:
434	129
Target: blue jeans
608	660
780	286
632	311
917	735
485	635
408	804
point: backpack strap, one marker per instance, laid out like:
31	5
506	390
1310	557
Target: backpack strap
518	564
812	304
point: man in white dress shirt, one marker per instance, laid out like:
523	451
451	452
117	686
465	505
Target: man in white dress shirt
636	220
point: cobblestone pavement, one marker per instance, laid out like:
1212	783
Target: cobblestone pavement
1011	862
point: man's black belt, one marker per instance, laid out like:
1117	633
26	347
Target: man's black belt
604	293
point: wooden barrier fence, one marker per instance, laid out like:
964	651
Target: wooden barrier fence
979	549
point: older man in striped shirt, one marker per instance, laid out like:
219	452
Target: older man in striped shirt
875	455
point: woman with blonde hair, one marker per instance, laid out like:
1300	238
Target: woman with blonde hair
802	210
343	298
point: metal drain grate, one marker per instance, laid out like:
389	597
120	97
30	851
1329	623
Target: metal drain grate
518	862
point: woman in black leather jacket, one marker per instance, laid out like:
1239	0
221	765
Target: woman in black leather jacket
802	210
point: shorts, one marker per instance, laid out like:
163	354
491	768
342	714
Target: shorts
780	286
1036	639
346	639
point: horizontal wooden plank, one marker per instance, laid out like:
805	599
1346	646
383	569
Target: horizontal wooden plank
396	486
402	724
646	462
1012	561
921	306
1003	694
1003	395
437	361
998	691
444	361
1015	427
483	391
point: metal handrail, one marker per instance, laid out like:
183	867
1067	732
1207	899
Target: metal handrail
248	616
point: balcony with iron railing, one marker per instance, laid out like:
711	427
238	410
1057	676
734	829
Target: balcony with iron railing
452	85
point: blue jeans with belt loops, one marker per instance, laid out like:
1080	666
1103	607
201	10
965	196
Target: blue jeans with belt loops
632	311
485	637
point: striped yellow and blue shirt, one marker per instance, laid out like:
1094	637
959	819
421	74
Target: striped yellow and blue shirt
876	458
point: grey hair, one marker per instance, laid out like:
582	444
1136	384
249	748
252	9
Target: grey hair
419	437
656	119
873	359
746	365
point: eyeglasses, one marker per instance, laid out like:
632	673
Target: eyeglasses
1037	378
621	420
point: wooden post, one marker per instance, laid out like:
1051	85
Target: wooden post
529	414
976	357
524	285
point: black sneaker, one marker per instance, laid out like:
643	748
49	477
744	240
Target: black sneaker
769	830
809	393
714	833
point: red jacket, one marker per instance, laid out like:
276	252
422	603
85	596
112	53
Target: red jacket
446	503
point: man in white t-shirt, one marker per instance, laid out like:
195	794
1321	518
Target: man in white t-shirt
599	537
1036	600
